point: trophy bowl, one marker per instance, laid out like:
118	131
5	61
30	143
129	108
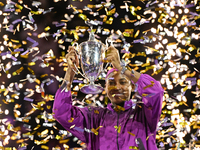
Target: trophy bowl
91	53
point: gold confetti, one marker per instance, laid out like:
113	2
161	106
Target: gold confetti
36	12
112	11
71	120
150	85
44	147
1	4
44	75
31	63
47	28
37	127
149	136
118	128
131	133
19	6
128	32
95	131
137	33
133	147
31	70
44	132
64	141
99	127
109	21
96	111
82	16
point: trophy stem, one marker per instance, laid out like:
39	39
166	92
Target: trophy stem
91	36
92	89
92	83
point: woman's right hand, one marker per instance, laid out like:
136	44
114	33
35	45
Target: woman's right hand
72	58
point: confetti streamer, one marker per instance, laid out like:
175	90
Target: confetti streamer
154	37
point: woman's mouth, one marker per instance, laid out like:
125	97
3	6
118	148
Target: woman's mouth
117	94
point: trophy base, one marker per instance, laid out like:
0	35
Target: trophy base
92	89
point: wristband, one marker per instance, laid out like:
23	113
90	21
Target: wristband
123	64
123	69
132	72
64	86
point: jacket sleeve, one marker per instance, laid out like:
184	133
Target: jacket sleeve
152	97
72	118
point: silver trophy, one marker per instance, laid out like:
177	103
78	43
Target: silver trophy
92	53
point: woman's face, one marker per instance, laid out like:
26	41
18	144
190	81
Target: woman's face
118	87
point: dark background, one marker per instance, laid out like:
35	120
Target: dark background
54	66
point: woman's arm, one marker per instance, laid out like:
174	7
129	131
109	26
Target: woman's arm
112	55
72	59
72	118
150	89
152	97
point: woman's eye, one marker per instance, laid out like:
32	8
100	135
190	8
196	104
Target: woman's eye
111	83
122	83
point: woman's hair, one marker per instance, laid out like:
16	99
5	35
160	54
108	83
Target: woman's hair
109	72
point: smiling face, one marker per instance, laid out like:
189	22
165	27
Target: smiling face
118	88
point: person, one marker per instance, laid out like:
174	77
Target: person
123	125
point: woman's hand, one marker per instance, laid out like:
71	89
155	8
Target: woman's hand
112	55
72	58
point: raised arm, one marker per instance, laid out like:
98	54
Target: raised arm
70	117
150	89
152	97
113	57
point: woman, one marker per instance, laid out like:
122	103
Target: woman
120	126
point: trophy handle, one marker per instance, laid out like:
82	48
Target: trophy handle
75	45
77	71
109	41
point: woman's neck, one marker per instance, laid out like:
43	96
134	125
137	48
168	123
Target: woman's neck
118	107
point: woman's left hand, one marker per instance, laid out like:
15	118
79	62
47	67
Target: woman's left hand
112	55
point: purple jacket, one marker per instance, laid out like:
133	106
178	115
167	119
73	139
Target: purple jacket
105	129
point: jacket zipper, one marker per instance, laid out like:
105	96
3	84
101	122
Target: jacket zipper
117	130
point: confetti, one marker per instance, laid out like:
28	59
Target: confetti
150	85
133	147
131	133
118	128
154	37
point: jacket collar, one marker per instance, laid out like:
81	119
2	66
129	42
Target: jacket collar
127	105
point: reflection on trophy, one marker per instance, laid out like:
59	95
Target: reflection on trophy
91	53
